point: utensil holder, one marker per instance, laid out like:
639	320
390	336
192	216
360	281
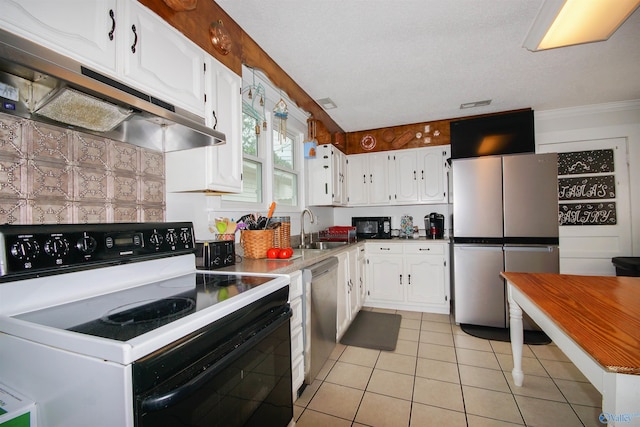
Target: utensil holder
282	235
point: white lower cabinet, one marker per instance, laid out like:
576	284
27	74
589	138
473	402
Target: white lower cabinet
297	333
408	276
349	301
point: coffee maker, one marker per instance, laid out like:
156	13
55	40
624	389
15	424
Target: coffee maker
434	225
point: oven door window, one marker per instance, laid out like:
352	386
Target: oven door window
251	387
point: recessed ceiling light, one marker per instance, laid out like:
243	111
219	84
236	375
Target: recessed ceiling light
326	103
475	104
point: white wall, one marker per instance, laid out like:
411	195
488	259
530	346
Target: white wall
599	122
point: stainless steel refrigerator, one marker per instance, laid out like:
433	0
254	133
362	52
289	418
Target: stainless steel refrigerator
505	218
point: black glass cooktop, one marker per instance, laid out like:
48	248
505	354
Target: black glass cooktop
126	314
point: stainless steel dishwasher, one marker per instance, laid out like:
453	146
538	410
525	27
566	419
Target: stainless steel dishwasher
321	295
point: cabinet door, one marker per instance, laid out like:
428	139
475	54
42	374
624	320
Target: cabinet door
159	59
86	33
354	290
224	113
357	187
425	279
379	178
361	277
432	176
320	177
339	181
213	168
384	278
343	305
406	166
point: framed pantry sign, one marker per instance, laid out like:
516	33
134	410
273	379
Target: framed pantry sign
587	188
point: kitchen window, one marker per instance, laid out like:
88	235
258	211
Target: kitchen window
271	165
285	174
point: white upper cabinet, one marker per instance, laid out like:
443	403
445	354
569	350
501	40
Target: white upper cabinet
327	180
85	31
402	177
159	59
421	175
433	178
368	179
216	168
122	39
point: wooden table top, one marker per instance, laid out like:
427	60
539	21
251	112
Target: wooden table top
601	314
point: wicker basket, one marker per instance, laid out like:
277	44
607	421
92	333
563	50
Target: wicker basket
282	236
255	243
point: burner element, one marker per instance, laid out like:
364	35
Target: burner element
153	311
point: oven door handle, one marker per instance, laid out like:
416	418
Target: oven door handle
164	400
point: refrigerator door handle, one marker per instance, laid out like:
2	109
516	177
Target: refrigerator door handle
529	248
480	248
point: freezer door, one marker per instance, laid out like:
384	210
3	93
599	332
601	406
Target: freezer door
532	259
477	197
479	288
530	192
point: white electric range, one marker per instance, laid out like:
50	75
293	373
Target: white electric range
111	324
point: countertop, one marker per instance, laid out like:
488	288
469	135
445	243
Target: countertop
303	258
599	313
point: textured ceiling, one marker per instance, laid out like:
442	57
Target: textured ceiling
393	62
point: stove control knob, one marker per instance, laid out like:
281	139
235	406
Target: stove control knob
156	239
56	247
25	249
86	244
185	237
172	238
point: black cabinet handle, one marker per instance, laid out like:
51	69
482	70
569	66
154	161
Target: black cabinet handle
401	279
113	24
409	278
215	124
135	40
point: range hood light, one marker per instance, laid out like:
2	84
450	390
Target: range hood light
79	109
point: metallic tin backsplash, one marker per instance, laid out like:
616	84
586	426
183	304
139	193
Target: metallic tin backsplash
52	175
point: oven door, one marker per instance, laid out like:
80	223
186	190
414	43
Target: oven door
242	379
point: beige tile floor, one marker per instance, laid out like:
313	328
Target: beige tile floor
440	376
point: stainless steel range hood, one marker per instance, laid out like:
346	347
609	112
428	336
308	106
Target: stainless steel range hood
39	84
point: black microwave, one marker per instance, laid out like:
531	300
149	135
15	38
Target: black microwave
372	227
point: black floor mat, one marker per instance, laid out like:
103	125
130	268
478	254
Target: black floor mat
502	334
371	329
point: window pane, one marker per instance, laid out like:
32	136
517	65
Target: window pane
249	136
251	183
283	151
285	188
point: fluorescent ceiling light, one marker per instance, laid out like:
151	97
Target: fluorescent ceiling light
569	22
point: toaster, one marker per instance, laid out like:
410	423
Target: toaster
213	254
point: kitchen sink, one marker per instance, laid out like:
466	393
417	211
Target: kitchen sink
323	245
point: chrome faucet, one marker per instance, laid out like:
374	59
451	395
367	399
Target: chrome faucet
303	236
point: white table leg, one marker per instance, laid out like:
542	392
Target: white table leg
621	400
517	339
